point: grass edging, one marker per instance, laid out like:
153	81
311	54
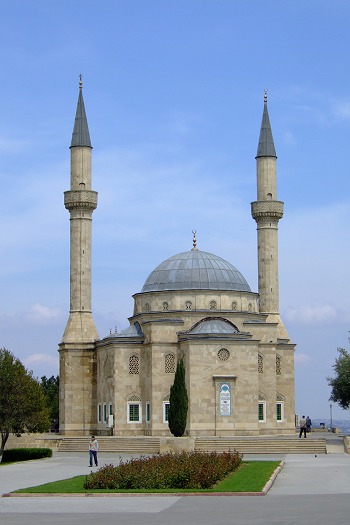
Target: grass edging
223	487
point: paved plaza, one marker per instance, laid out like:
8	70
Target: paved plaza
309	488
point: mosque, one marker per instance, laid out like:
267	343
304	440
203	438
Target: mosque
238	357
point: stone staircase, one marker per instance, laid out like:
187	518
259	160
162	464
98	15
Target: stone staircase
263	445
128	445
244	445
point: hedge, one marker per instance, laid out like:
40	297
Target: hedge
185	470
25	454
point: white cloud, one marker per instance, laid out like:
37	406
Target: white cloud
302	358
35	359
312	314
40	313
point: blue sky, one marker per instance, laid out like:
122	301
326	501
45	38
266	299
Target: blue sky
174	97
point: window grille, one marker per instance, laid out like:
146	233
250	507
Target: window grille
262	411
278	365
134	364
169	364
166	406
134	412
223	354
260	364
279	410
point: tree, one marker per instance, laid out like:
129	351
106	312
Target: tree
178	401
51	390
23	406
341	383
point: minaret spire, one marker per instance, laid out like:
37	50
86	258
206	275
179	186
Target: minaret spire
267	211
266	147
81	135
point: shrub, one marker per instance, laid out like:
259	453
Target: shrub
184	470
25	454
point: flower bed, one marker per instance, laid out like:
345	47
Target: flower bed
185	470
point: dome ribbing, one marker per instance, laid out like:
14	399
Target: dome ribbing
195	270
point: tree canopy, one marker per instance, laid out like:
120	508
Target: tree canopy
51	390
341	382
23	405
178	401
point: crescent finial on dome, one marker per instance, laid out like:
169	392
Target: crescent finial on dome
194	240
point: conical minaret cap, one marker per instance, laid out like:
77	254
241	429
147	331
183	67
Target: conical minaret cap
81	135
266	147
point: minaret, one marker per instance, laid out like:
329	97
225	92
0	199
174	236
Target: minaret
77	349
267	211
80	201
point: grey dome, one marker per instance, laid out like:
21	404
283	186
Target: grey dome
214	326
195	270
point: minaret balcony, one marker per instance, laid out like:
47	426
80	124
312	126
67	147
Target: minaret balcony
80	199
267	209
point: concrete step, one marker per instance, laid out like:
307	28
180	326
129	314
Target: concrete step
132	445
263	445
244	445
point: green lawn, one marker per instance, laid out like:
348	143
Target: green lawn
250	477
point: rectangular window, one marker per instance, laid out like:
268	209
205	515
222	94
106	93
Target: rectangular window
166	406
99	413
104	412
110	409
148	411
279	411
134	412
262	411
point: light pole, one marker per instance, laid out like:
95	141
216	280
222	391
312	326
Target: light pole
330	410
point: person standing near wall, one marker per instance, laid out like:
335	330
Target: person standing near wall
93	448
302	426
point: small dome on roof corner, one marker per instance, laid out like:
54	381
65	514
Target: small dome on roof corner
195	270
214	326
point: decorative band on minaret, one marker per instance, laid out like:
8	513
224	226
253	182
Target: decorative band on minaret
267	211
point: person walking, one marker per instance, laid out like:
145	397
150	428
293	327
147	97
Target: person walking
308	424
93	448
302	426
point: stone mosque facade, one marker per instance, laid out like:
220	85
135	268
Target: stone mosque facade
238	357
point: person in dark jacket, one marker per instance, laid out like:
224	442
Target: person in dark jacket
308	424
